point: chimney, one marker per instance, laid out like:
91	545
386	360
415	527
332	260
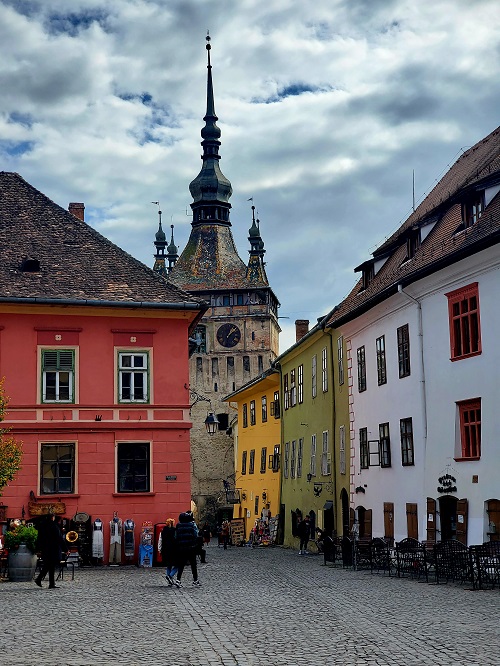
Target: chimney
78	210
301	328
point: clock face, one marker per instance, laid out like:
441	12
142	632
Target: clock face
228	335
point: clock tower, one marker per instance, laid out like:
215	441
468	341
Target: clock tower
237	339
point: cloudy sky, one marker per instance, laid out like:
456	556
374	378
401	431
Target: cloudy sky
326	109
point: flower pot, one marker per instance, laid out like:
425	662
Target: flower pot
22	563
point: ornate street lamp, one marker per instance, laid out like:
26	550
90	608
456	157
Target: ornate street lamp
211	423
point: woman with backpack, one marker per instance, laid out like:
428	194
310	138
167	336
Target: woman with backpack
186	534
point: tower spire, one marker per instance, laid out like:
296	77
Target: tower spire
172	252
256	268
210	189
210	86
160	244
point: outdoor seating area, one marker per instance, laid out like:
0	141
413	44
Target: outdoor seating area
437	563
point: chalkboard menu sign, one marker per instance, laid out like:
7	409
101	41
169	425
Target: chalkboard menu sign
237	531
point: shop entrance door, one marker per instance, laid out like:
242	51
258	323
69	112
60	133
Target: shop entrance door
448	517
328	519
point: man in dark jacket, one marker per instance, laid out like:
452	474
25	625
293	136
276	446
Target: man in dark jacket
304	532
49	544
186	534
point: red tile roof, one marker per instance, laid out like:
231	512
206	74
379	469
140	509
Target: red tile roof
76	262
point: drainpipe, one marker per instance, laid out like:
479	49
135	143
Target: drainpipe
281	528
422	365
334	429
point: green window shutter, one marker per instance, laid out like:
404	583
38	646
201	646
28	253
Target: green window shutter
55	359
65	360
49	360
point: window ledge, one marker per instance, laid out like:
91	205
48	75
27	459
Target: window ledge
133	494
60	496
467	459
460	358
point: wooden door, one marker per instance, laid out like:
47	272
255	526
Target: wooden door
462	510
368	524
389	521
412	520
431	519
494	520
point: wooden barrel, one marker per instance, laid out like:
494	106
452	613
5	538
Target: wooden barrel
22	563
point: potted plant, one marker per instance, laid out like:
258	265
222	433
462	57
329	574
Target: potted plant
21	544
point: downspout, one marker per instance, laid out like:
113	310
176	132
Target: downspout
422	365
334	431
277	365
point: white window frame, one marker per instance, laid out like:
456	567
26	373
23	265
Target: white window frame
314	376
312	468
132	370
326	458
324	369
292	458
286	460
300	383
300	454
57	371
340	358
342	458
293	388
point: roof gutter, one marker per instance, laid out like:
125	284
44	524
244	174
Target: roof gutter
186	305
379	297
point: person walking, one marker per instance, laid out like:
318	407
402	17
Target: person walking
304	532
49	544
206	534
169	555
225	532
186	533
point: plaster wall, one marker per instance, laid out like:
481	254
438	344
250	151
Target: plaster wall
163	422
399	398
449	382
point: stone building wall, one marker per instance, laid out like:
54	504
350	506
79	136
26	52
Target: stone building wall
214	374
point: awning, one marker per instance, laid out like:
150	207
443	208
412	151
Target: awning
328	505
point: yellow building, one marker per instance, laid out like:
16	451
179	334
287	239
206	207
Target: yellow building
257	449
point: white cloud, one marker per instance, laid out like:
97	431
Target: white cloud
324	115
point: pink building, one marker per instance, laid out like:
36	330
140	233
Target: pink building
94	351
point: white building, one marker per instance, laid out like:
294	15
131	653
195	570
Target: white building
420	331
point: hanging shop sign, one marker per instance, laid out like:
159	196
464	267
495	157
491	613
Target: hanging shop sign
447	484
44	508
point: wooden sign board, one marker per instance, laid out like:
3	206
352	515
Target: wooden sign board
44	508
237	531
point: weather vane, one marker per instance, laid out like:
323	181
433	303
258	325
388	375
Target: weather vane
157	203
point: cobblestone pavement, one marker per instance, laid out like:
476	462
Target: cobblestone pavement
255	607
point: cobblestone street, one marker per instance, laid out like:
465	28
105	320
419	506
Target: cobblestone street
255	607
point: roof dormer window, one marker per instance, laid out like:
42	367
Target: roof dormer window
30	265
472	209
413	242
368	274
